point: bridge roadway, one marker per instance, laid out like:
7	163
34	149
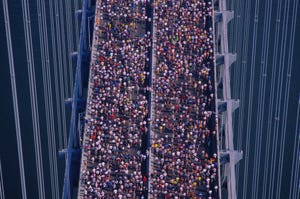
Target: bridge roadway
184	129
90	159
115	140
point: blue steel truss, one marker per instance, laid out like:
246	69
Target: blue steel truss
72	153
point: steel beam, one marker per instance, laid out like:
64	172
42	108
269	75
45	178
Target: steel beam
72	152
227	57
227	105
222	105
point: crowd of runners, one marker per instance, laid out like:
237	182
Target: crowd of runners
183	127
117	109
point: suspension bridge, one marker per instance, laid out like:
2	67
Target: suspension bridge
227	156
68	51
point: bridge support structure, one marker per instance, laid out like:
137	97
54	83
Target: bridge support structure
81	59
228	156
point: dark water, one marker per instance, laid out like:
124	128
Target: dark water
8	143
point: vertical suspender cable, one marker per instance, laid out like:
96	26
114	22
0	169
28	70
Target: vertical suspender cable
249	115
270	112
294	182
33	98
60	67
75	3
56	80
15	99
286	98
63	47
69	22
261	100
243	64
51	114
48	97
42	47
2	195
278	103
297	155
